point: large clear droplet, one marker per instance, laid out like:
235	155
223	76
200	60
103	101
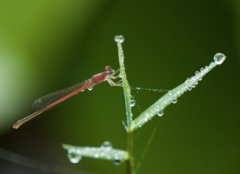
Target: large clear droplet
107	145
219	58
119	39
73	156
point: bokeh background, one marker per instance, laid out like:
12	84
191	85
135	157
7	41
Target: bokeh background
48	45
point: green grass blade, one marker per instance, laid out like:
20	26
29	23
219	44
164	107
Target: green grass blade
174	94
104	152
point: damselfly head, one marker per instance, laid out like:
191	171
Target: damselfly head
109	70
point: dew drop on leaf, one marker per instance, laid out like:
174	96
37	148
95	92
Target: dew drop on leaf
132	102
117	162
174	101
107	145
96	155
73	156
219	58
160	113
119	39
90	88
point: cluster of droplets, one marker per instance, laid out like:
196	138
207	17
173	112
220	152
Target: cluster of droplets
149	115
149	89
170	96
173	95
107	146
193	81
160	111
105	151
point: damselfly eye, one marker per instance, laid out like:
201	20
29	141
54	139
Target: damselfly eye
109	69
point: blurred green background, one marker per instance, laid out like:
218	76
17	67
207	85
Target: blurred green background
48	45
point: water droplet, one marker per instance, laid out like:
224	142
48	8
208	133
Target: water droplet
96	155
102	154
73	156
212	64
119	75
90	88
201	69
117	161
170	93
131	115
107	145
132	102
174	101
187	81
189	88
145	119
119	39
160	113
219	58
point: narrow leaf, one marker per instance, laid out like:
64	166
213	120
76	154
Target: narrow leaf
172	96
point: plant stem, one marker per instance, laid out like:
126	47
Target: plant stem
130	163
127	98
